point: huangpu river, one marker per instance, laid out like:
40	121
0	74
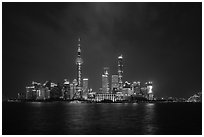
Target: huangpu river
63	118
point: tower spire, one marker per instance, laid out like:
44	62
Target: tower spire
120	71
79	47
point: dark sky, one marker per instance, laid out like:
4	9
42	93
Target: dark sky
160	42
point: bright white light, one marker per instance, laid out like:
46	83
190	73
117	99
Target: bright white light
150	104
120	57
149	89
66	82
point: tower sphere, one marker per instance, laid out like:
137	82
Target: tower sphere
79	60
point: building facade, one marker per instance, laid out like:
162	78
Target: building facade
85	88
105	81
149	90
66	90
102	97
114	83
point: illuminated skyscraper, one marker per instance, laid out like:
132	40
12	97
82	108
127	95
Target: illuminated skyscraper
127	91
85	88
71	91
79	63
85	84
30	92
75	90
66	89
120	71
114	84
149	90
136	88
105	81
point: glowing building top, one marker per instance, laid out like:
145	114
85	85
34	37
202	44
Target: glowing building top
120	71
79	49
120	57
79	60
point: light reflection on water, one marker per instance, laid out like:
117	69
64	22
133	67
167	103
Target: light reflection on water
149	119
98	119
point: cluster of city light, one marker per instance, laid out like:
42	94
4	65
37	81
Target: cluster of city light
78	88
123	90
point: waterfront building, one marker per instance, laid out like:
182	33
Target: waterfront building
31	93
105	81
120	71
85	88
41	93
105	96
47	93
144	92
119	96
91	96
114	84
71	91
127	89
75	90
134	85
56	91
47	86
66	89
136	88
149	90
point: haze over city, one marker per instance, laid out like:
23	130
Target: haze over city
160	42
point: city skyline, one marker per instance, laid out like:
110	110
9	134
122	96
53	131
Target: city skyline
51	56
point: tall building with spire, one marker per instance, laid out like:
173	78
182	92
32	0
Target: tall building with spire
120	72
79	62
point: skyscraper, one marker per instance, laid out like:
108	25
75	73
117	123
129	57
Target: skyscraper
30	90
85	84
120	72
66	89
114	84
74	91
136	88
105	81
71	90
149	90
79	63
85	88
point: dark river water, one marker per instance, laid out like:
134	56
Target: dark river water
62	118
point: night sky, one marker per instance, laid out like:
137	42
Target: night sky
160	42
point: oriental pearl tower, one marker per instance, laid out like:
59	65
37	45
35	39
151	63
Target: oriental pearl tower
79	62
